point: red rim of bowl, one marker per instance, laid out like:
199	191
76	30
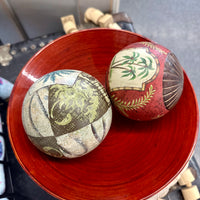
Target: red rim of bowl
38	54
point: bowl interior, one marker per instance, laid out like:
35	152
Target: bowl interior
136	159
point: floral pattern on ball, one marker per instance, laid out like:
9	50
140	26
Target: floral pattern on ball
144	81
66	113
136	67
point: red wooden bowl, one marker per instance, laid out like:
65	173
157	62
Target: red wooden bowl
136	160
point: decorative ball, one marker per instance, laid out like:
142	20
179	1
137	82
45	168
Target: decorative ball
145	81
66	113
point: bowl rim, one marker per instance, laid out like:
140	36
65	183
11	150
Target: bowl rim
71	35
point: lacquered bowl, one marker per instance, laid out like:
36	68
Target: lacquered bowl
136	160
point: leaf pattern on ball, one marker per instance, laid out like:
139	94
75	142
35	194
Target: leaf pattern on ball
124	106
79	99
52	76
132	64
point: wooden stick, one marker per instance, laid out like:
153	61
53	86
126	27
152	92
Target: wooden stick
97	17
69	24
105	20
186	178
92	14
191	193
114	26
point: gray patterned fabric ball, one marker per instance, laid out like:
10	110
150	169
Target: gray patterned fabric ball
66	113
